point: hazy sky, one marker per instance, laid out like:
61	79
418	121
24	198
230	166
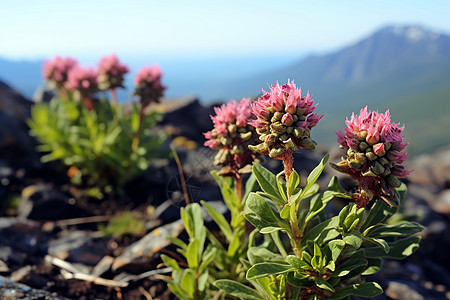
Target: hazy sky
212	28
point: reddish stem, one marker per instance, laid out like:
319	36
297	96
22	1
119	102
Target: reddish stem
88	102
137	137
114	96
287	164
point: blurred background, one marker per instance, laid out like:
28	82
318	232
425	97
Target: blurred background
348	54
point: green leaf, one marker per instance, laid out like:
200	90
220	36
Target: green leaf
227	190
333	249
379	212
353	239
379	242
296	262
250	186
235	244
373	266
208	257
284	214
261	254
177	291
265	269
258	222
323	232
259	206
348	266
202	280
399	230
398	249
267	181
220	221
237	289
294	181
317	262
282	187
314	175
170	262
366	289
188	282
320	282
192	253
270	229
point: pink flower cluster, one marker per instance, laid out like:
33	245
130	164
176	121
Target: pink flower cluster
374	153
57	69
231	136
284	120
82	80
148	84
111	72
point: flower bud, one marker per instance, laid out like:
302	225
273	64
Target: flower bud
393	181
373	136
278	128
245	136
307	143
260	148
232	128
378	149
287	119
371	156
270	139
276	152
289	144
377	168
298	132
363	146
277	116
361	136
300	111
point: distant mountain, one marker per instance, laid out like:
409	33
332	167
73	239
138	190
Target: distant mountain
404	68
24	76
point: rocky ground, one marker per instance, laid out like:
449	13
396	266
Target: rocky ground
51	246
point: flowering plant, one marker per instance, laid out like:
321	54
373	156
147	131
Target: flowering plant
298	250
103	146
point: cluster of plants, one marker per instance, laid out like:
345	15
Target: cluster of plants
281	241
103	145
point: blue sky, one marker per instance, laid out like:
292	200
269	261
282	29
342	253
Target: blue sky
200	29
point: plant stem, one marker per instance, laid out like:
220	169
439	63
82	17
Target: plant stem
238	189
287	164
137	137
296	241
88	102
114	96
180	171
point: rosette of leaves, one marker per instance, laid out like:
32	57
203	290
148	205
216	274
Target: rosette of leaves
328	256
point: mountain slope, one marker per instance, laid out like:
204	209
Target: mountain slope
398	67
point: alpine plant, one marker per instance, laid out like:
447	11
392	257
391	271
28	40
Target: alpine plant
375	154
232	136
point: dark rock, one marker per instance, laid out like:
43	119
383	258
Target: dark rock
41	202
23	236
16	145
144	249
9	289
401	291
188	119
28	276
79	247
